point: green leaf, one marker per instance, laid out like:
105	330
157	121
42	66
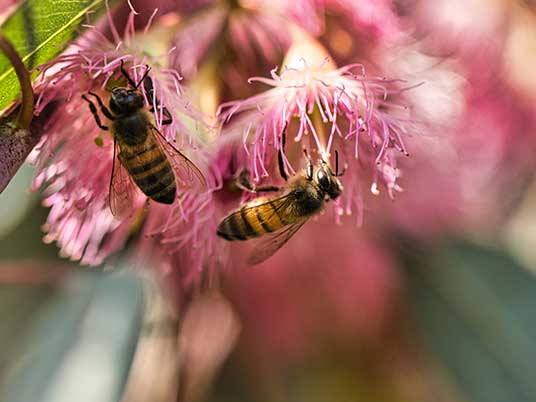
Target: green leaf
476	309
40	30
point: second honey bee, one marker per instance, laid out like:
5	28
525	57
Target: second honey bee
277	218
141	152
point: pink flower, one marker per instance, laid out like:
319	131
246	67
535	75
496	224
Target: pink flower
372	18
195	38
325	109
333	284
475	155
8	7
247	33
473	31
74	158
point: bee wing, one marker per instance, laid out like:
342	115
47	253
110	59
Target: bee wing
122	190
187	174
270	243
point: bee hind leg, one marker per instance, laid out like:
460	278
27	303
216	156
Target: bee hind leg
93	110
245	184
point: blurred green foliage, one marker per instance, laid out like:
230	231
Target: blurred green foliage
69	340
475	308
24	242
62	327
39	31
16	200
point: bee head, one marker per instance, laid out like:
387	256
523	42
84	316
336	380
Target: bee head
328	181
125	101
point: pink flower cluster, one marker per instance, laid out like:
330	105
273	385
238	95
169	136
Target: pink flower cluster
74	158
323	108
238	78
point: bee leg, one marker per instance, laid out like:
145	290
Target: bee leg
95	114
244	184
168	119
103	108
149	89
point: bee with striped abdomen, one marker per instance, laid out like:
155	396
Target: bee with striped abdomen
277	218
142	152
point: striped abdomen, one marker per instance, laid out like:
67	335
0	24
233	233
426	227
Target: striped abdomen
150	169
257	218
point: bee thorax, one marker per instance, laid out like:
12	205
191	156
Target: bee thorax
131	130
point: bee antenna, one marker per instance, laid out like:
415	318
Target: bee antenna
125	73
145	74
284	135
344	168
280	161
309	165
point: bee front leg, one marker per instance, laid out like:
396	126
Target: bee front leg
168	119
93	110
149	89
245	184
103	108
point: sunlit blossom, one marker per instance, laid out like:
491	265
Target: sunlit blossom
326	109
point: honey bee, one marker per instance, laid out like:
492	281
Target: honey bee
141	153
277	218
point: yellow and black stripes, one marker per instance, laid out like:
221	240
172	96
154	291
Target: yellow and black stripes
255	220
149	166
151	171
261	219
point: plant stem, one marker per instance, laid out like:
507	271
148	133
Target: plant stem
25	115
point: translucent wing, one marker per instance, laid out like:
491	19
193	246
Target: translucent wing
187	174
122	189
270	243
